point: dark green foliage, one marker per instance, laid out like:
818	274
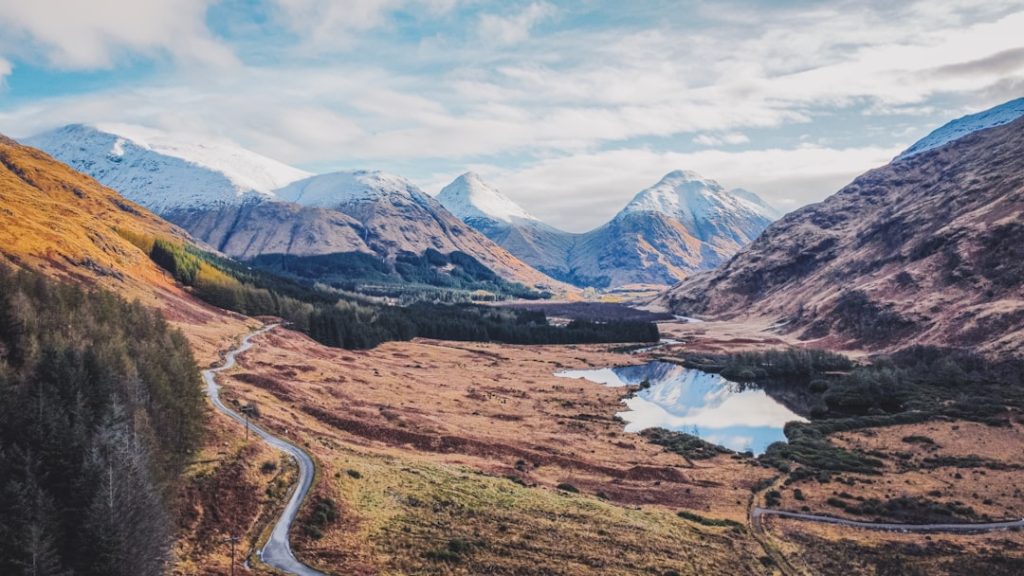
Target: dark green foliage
100	407
323	512
353	321
808	446
787	363
409	272
686	445
908	509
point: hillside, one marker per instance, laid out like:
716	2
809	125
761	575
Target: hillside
65	223
927	249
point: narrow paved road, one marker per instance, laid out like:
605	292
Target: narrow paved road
276	552
757	513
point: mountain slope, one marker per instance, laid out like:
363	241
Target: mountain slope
247	205
64	223
928	249
496	216
165	172
682	224
997	116
391	215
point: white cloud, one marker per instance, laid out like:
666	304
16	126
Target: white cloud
327	24
514	28
540	115
578	192
731	138
5	70
86	35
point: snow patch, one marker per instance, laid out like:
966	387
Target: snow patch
339	188
997	116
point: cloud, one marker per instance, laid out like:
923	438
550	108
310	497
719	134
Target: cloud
514	28
327	24
731	138
89	35
5	70
580	191
560	120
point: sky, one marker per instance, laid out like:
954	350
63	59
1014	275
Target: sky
569	108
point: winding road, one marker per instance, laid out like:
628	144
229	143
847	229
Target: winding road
757	513
276	553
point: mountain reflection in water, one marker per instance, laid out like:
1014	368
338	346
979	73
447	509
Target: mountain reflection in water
737	416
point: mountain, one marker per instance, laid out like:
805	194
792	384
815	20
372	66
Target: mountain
67	225
247	205
682	224
997	116
163	171
928	249
496	216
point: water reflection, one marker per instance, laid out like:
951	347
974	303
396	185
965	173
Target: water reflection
736	416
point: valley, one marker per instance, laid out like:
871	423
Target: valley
213	362
435	456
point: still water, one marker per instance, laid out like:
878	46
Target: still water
737	416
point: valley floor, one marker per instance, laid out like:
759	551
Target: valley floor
463	458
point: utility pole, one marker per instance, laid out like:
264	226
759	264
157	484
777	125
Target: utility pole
233	540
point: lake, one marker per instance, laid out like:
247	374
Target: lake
737	416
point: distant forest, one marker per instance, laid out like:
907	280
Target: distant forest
348	320
100	407
428	275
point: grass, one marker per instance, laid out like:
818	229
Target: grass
414	517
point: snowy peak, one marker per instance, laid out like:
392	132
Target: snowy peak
690	198
956	129
468	197
337	189
164	171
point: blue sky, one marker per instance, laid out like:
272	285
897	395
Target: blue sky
570	108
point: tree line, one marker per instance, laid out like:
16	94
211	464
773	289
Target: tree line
348	320
100	408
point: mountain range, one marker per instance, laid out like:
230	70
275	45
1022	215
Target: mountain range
249	206
928	249
680	225
246	205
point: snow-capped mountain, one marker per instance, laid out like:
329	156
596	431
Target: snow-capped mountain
163	171
340	188
956	129
681	224
498	217
247	205
706	209
469	197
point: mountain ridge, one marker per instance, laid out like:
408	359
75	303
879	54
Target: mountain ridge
926	249
682	224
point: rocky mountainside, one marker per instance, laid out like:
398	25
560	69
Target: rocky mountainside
682	224
246	205
928	249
